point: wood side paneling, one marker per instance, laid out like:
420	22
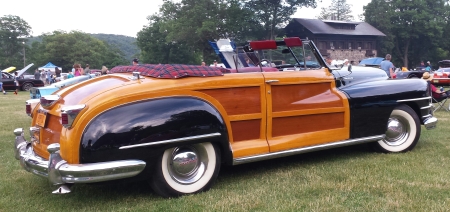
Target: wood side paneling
237	101
307	123
246	130
303	96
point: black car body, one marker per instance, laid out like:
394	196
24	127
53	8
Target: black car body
416	73
24	84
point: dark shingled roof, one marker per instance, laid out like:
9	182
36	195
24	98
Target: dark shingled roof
317	26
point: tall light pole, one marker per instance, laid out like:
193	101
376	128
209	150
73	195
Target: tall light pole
24	59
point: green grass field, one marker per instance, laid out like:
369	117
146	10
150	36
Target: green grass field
345	179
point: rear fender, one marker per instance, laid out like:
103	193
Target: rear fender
143	130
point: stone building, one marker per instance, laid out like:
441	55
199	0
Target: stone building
339	39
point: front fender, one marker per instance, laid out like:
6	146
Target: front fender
139	130
371	103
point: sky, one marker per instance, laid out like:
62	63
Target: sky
109	17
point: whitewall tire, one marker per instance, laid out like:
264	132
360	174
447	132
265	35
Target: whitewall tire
403	131
186	169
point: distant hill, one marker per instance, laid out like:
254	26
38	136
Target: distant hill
124	43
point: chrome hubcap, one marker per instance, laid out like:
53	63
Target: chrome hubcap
188	163
397	132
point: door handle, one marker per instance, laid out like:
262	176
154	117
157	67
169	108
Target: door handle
271	81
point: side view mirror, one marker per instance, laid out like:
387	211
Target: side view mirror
350	68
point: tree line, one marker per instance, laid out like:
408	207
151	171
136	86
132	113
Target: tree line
179	33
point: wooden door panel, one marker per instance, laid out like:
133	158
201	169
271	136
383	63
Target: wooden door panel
306	123
303	96
303	109
245	106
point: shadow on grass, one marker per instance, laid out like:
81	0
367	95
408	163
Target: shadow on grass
229	174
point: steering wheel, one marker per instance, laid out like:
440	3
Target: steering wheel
268	63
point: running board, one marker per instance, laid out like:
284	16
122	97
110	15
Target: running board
284	153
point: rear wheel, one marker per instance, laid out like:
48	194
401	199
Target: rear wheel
27	86
403	131
186	170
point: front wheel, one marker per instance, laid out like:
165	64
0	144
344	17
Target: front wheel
186	170
403	131
27	86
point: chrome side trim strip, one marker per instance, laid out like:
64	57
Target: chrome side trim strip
426	107
416	99
284	153
426	116
190	138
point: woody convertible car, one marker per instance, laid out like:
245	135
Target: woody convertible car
175	125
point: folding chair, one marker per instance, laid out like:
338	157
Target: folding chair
440	103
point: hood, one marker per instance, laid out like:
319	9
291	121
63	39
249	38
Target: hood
359	74
9	70
19	72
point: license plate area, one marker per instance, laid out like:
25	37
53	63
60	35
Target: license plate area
41	118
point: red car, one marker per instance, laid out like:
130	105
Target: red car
441	77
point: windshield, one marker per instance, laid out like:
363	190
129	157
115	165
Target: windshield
300	57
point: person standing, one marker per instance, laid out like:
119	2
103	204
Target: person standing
49	77
70	75
329	60
43	76
203	63
58	74
428	68
422	65
1	87
387	66
135	62
87	70
37	75
16	82
104	70
78	70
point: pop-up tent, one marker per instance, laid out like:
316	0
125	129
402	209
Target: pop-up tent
49	67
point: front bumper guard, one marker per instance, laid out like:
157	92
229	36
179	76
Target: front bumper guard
60	173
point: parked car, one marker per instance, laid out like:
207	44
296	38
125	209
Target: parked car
411	74
176	125
371	62
441	77
24	84
38	92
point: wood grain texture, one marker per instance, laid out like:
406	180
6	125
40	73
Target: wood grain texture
237	101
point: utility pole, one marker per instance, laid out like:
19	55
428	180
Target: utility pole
24	58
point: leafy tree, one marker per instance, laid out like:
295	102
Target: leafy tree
338	10
414	28
274	14
13	33
155	49
192	23
65	49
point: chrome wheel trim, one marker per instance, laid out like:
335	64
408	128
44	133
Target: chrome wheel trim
187	164
193	186
27	86
399	140
397	132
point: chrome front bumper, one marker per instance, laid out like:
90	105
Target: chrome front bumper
60	173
